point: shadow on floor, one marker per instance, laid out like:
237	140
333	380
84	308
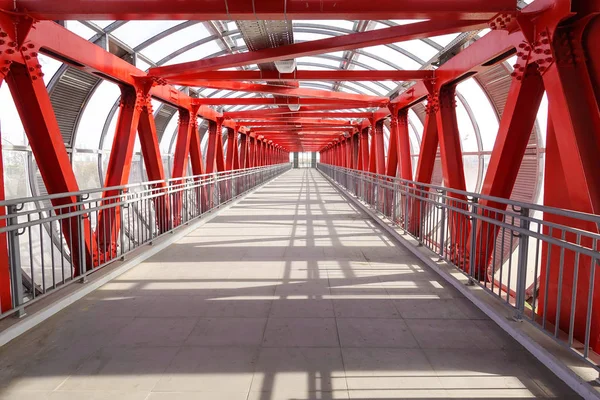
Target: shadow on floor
292	294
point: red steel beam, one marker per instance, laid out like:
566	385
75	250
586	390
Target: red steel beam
353	41
295	121
308	75
268	10
278	101
297	115
283	90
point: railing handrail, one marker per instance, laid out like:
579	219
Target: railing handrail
30	199
530	206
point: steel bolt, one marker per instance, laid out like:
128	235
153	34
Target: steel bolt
31	45
13	44
34	78
31	69
3	34
543	33
28	58
34	54
10	51
522	45
549	59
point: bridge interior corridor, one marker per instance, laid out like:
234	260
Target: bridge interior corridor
292	293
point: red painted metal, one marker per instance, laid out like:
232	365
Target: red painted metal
214	153
279	101
573	145
308	75
392	159
352	41
281	90
270	10
444	102
39	121
5	292
515	130
52	39
284	115
135	115
404	158
232	148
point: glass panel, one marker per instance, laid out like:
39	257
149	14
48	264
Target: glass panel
308	36
418	48
49	67
392	56
12	129
170	131
177	40
482	109
203	51
344	24
103	24
16	182
79	29
95	114
444	40
85	167
542	120
468	139
471	164
135	33
318	60
416	121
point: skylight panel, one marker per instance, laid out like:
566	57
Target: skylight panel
175	41
134	33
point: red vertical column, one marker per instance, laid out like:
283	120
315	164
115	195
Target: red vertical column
571	176
232	149
404	157
364	149
243	151
393	151
453	171
214	154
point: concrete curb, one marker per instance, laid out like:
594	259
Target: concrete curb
532	339
97	280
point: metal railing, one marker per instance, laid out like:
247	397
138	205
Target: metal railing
55	240
538	260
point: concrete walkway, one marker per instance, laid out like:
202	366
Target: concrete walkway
291	294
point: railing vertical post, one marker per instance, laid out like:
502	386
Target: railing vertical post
81	238
473	239
522	264
421	193
14	257
122	222
443	224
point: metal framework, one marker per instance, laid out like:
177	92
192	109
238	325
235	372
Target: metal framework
553	42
